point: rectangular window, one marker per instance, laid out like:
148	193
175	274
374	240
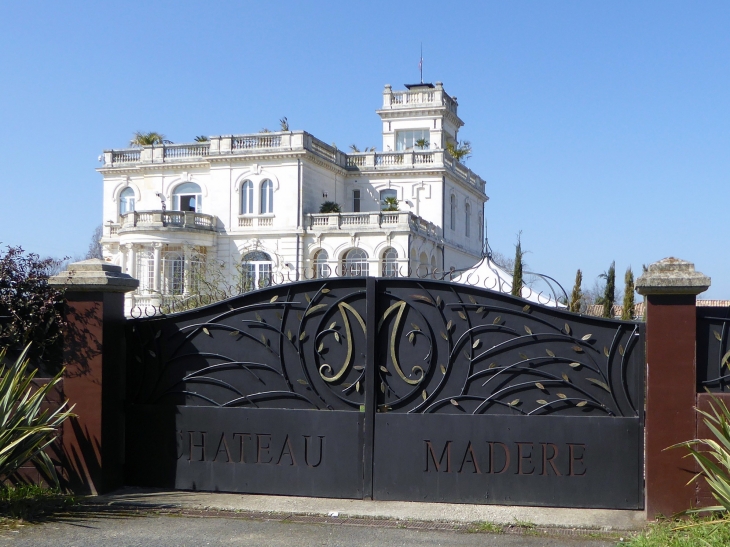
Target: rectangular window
384	195
415	138
356	201
187	203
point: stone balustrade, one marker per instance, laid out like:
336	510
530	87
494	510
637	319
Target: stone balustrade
371	221
243	145
419	96
163	219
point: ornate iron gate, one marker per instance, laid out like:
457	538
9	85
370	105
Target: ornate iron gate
402	389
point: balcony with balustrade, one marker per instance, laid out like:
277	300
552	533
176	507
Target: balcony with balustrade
419	96
145	221
376	221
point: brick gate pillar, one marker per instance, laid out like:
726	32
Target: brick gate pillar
670	287
92	446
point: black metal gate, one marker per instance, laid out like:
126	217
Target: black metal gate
401	389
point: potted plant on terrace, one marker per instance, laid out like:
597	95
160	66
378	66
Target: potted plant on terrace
330	207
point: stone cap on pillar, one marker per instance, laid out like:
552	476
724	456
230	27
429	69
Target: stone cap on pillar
672	276
94	275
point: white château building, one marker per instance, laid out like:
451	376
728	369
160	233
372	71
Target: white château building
250	204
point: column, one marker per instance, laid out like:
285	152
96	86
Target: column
125	258
91	444
187	274
132	254
157	250
670	287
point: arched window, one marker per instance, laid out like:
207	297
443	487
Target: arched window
126	201
247	198
145	271
173	272
267	197
355	263
453	212
467	219
390	263
187	197
255	271
321	268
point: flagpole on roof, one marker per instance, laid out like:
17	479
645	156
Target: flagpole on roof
420	64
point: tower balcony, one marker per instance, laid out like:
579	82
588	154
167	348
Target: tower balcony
419	96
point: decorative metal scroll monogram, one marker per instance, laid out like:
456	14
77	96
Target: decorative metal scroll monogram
460	350
713	349
294	346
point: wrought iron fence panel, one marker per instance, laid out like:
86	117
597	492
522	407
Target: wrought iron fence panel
299	345
713	349
445	348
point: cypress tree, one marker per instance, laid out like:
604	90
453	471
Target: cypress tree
517	272
627	313
577	294
609	293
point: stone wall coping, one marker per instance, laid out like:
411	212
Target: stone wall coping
94	275
672	276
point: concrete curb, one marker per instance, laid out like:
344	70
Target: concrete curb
604	520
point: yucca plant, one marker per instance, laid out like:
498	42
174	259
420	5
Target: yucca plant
715	459
26	429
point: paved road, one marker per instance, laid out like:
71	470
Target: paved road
190	531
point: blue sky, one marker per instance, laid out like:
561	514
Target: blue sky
602	128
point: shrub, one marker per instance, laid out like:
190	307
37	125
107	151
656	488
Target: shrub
31	310
25	428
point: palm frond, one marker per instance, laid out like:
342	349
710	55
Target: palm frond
26	429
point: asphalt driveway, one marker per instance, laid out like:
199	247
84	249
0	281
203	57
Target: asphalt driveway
128	529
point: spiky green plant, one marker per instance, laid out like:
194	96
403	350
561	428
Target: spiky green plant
461	151
714	461
26	429
145	139
330	207
390	204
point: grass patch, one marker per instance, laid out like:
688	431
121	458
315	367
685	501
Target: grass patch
31	503
484	526
693	532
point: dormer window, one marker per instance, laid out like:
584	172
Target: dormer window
187	197
412	139
126	201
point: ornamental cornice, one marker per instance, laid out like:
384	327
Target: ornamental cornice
328	164
426	111
147	167
243	158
